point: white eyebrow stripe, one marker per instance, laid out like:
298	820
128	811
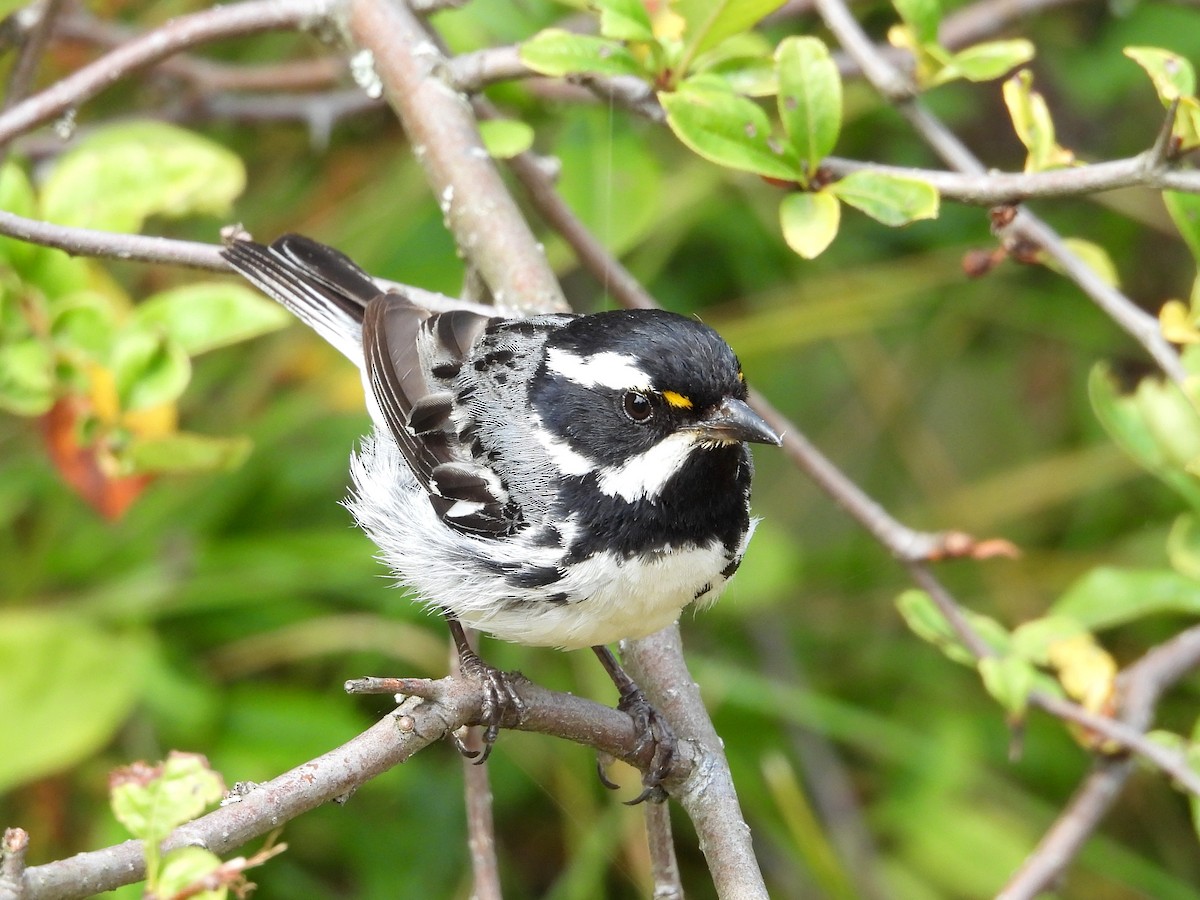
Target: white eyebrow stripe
610	370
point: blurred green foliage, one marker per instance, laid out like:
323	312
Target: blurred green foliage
223	611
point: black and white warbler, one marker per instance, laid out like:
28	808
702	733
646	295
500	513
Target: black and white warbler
561	480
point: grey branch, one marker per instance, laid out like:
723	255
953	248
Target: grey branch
177	34
447	704
479	211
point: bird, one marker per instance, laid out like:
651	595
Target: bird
560	480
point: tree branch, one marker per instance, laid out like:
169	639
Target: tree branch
708	793
479	211
178	34
432	710
897	89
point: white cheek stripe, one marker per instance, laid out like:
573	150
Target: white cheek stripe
610	370
646	474
564	458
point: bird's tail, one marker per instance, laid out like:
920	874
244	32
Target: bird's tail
321	286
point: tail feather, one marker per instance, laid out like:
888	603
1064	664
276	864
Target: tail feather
319	285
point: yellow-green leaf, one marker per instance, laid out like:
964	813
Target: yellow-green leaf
625	20
1172	75
922	17
505	138
809	221
986	61
1031	120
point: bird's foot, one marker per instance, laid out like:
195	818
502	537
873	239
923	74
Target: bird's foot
502	703
652	729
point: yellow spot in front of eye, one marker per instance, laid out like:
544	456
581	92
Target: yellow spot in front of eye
741	376
677	400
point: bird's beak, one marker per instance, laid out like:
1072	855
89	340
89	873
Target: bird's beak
733	420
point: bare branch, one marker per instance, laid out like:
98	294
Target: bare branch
1140	686
664	867
12	864
178	34
707	793
140	248
413	726
1064	840
480	212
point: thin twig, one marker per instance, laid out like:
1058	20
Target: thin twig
1139	688
664	867
897	89
477	794
24	70
1070	831
178	34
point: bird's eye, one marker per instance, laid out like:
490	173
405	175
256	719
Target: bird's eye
637	406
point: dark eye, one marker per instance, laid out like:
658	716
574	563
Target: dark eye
637	406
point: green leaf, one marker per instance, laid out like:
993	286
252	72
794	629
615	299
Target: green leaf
726	129
1187	124
1185	213
184	452
890	199
1033	125
152	801
556	53
66	682
625	20
1106	597
1172	75
505	138
810	98
84	324
149	368
750	76
207	315
1032	640
926	621
986	61
922	17
187	866
118	175
709	22
1009	679
26	377
809	221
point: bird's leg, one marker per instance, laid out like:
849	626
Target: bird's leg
651	726
500	698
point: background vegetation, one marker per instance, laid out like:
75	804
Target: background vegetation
222	611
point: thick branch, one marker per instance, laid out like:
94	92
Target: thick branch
485	221
707	794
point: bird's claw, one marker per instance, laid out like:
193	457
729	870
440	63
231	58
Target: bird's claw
652	730
501	703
